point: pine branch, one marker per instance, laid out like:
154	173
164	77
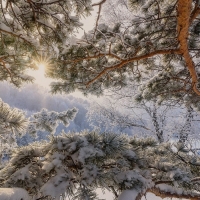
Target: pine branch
183	22
173	193
98	14
127	61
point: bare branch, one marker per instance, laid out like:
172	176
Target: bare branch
4	66
99	3
99	12
15	35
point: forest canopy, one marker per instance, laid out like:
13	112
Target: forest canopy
155	50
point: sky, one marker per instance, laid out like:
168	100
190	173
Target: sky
39	75
43	83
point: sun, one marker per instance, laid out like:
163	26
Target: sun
40	64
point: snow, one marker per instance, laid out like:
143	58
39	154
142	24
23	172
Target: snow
56	186
128	195
175	190
21	174
86	152
14	194
5	28
167	188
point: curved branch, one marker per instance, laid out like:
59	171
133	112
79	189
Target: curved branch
99	55
98	13
136	58
196	179
172	192
195	12
183	22
7	69
14	34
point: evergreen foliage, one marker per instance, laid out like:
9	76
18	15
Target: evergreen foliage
31	30
77	164
13	123
48	121
156	48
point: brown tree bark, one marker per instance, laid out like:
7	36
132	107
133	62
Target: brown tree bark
183	22
164	194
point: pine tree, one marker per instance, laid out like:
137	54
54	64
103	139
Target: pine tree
186	130
119	113
13	123
77	164
48	120
158	49
35	30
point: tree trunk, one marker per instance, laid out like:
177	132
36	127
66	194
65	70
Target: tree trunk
159	132
186	130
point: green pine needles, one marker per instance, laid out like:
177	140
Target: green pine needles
13	123
77	164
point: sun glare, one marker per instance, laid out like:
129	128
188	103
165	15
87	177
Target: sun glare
41	65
